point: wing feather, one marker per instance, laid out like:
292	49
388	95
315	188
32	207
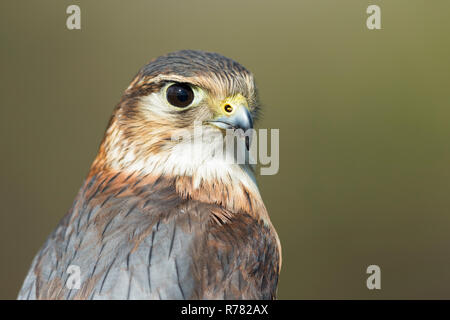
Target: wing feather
149	243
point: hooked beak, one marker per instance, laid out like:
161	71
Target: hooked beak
240	119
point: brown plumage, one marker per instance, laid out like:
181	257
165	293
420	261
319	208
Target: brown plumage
151	223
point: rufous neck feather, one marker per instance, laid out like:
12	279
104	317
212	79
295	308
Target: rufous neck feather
231	186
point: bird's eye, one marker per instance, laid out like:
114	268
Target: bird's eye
180	95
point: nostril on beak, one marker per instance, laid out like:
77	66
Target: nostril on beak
228	108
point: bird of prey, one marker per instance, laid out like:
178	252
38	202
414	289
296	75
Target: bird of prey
151	222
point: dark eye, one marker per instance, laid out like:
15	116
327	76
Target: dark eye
180	95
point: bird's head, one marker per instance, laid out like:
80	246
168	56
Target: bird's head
171	97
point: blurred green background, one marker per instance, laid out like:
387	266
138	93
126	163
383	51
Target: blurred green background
363	116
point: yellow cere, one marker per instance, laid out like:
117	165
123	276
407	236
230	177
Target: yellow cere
230	104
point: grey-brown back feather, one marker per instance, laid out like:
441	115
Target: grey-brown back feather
148	243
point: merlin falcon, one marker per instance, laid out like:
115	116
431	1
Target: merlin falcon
152	222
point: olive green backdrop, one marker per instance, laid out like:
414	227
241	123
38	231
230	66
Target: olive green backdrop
363	116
